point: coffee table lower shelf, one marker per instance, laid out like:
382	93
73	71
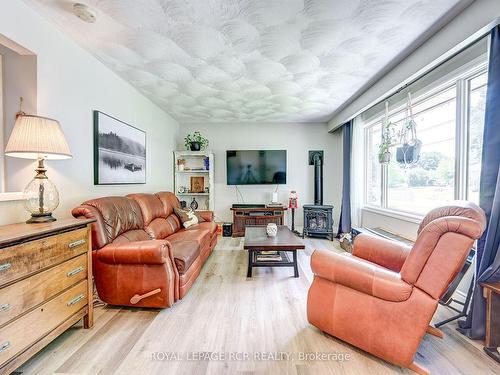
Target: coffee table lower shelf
284	262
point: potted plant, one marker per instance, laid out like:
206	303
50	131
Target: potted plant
384	155
388	138
195	142
408	153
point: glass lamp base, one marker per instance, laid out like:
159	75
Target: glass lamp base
41	197
41	218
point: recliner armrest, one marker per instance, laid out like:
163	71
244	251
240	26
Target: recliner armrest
386	253
137	252
206	215
358	274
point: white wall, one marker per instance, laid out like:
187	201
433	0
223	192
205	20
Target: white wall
19	80
479	14
297	139
70	84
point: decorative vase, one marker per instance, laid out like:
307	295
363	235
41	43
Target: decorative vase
206	162
195	146
272	230
194	204
183	204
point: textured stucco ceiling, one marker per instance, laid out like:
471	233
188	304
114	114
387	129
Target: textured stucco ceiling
247	60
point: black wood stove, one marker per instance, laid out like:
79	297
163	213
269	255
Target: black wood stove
318	218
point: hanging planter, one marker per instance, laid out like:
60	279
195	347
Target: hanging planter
384	156
408	154
388	138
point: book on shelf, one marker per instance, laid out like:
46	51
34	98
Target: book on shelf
274	252
269	258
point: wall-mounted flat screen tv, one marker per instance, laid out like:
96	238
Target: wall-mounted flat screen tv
256	167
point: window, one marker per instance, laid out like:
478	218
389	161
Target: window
432	180
450	122
477	103
373	170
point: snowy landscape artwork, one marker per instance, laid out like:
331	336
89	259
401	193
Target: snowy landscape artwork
119	152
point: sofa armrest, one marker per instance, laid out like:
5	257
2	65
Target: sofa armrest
206	215
386	253
358	274
137	252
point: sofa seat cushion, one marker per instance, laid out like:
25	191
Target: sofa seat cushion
185	253
202	236
207	225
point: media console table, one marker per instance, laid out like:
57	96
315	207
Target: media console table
251	216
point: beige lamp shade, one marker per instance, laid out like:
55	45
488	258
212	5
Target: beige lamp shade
36	137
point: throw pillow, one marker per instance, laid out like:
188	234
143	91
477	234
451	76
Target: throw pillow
188	218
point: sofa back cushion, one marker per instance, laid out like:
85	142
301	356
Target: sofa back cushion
157	223
170	201
118	218
150	205
442	246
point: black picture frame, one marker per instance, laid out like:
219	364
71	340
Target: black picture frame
112	165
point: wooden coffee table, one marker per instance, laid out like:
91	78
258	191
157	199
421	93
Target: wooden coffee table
257	240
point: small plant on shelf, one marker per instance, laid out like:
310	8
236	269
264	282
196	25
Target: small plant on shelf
195	142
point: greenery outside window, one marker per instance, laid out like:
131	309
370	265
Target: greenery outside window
450	121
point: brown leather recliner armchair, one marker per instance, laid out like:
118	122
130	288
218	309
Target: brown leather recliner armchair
142	256
383	296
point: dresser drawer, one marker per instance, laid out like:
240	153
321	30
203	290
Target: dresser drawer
23	332
26	258
32	291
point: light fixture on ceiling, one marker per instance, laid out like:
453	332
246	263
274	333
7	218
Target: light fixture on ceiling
84	12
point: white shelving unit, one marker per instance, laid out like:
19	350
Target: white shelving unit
194	164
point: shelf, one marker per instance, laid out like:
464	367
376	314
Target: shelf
195	171
194	160
187	194
193	153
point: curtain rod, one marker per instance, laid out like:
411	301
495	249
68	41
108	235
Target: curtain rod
444	58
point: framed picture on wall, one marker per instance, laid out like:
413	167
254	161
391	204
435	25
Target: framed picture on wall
119	152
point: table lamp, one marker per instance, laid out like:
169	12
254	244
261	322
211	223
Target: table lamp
38	138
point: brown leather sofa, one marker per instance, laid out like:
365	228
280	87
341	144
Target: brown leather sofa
142	255
383	296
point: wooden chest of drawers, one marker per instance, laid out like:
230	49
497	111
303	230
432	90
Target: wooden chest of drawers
45	285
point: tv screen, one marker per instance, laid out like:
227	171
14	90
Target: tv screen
256	167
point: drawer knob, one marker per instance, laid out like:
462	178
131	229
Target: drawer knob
74	244
4	346
4	307
75	271
5	266
74	300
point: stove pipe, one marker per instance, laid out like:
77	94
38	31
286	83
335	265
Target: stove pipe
318	179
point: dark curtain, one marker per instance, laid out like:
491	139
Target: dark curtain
488	256
345	209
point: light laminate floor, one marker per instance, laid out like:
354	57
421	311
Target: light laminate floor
226	314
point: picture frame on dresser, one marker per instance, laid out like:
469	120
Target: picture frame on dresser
119	152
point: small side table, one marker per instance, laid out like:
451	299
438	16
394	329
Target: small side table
491	291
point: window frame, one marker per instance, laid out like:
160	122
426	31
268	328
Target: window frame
461	79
